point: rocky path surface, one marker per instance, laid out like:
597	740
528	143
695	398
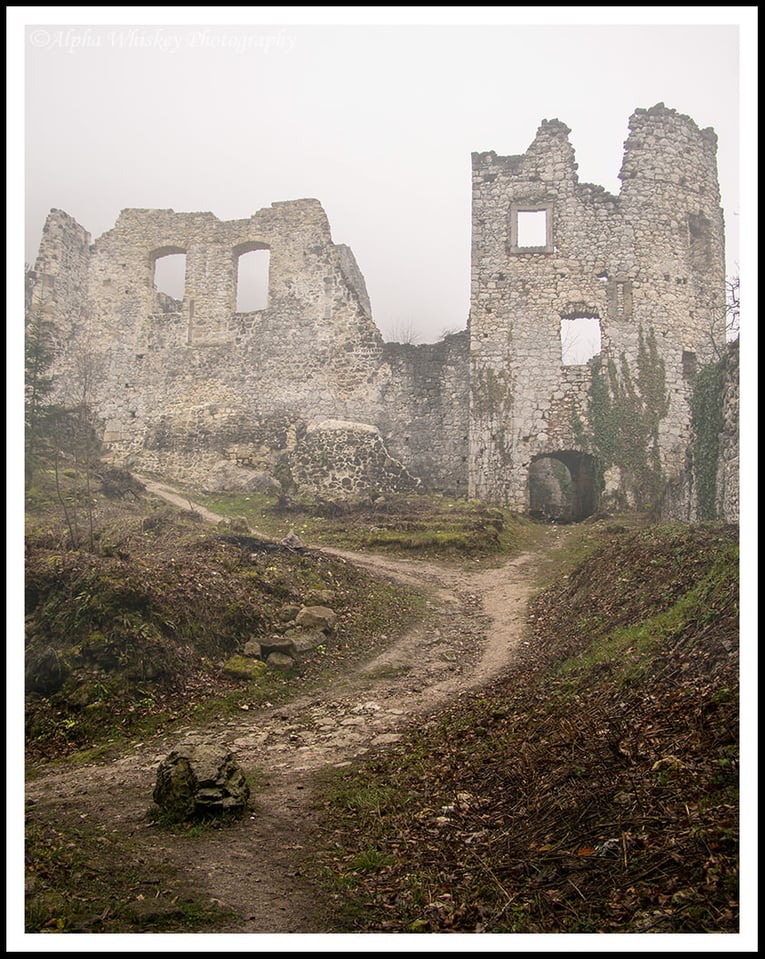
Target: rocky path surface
470	633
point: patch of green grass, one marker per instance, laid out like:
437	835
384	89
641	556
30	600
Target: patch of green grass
366	798
370	860
426	524
629	650
83	879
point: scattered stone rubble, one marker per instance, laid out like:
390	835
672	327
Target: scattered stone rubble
305	629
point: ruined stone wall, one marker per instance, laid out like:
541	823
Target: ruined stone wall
648	264
193	389
182	387
59	290
424	417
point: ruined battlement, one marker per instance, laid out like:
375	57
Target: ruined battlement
501	412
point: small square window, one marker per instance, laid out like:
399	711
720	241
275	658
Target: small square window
531	228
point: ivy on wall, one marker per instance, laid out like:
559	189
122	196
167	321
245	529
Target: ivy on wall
625	408
707	424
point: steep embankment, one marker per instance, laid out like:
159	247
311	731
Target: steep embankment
594	788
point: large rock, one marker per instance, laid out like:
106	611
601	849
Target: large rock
294	643
199	779
321	617
341	459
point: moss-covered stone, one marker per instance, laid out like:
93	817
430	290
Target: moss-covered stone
243	667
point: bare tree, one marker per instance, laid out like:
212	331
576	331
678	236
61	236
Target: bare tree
732	317
402	332
38	384
84	444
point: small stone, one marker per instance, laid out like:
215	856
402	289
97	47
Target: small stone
280	661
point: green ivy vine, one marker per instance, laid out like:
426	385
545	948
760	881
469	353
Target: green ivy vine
707	424
625	408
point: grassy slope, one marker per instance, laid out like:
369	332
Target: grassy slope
595	789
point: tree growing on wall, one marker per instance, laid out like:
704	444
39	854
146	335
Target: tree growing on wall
38	383
727	315
732	307
78	444
402	332
61	433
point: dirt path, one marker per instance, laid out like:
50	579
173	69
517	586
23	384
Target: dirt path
470	633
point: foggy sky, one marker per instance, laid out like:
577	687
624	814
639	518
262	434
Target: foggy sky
378	122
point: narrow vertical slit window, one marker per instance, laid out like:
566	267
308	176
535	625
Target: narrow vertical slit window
620	300
700	241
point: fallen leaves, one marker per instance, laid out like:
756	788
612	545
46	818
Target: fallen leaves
602	800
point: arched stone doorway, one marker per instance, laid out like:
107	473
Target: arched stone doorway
562	487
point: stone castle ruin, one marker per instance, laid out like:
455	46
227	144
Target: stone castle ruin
305	395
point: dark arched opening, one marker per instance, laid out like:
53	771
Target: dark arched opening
562	487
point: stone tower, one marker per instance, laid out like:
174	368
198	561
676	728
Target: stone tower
590	314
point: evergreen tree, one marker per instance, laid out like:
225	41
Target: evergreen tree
39	354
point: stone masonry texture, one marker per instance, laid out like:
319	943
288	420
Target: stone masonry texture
306	390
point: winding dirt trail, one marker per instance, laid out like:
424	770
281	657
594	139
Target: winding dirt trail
469	634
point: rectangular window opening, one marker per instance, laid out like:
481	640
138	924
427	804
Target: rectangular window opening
532	229
690	364
620	299
170	280
700	240
579	339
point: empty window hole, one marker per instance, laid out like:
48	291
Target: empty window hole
532	229
579	339
170	275
252	281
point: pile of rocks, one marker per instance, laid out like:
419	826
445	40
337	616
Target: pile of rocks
305	629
